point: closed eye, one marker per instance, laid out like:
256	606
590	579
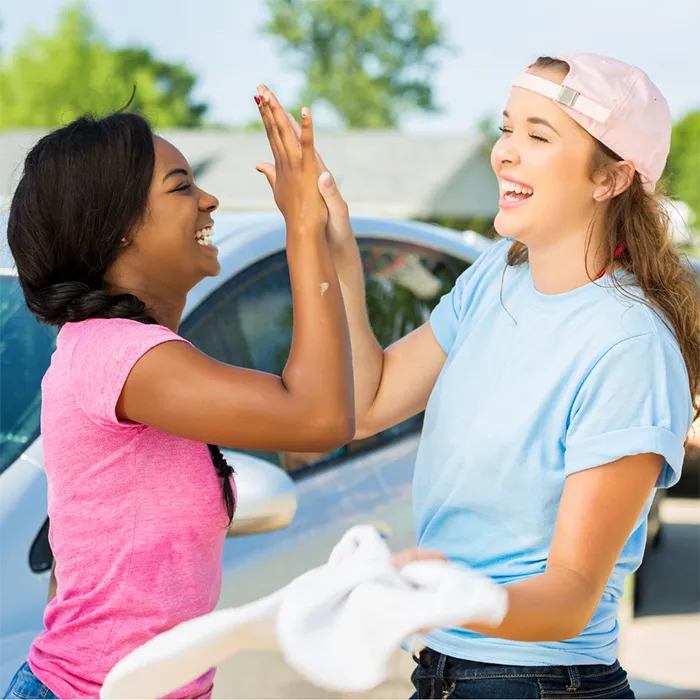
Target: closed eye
182	188
504	130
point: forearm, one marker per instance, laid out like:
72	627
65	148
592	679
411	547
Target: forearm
52	582
552	606
367	354
319	368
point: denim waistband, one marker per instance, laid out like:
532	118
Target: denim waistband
452	668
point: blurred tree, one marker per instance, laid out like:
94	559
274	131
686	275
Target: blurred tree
50	80
683	167
371	60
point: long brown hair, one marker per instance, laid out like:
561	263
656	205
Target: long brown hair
639	222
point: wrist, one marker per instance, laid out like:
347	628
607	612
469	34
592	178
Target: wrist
341	240
305	228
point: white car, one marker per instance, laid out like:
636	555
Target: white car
241	317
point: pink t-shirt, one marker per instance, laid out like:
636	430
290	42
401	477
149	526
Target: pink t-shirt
137	515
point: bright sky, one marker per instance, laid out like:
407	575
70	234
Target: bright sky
492	40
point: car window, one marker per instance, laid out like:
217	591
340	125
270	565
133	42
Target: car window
25	353
248	322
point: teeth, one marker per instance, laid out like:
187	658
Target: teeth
508	186
204	233
204	242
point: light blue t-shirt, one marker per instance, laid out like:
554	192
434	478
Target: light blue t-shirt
536	387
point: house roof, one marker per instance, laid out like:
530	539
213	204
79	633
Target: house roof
379	172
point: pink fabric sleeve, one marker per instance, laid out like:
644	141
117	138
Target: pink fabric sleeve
102	358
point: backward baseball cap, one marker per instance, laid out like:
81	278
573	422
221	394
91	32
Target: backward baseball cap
616	103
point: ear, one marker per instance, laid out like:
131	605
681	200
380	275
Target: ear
613	180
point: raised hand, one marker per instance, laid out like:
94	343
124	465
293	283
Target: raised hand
338	228
296	172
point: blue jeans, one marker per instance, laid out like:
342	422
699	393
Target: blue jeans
26	685
440	676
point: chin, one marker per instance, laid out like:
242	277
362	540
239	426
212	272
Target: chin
506	227
213	269
519	228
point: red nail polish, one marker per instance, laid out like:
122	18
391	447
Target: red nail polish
257	100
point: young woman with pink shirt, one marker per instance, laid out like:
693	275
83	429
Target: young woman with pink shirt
109	232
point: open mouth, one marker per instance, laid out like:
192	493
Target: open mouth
203	236
514	192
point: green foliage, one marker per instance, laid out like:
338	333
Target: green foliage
682	172
371	60
50	80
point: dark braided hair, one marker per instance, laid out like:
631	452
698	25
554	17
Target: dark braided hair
83	190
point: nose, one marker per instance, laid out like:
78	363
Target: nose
505	152
207	202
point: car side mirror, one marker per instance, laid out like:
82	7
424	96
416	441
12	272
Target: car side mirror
267	498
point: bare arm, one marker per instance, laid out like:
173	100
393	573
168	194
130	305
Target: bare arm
390	385
179	390
597	513
52	582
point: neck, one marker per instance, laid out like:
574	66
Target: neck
164	303
564	264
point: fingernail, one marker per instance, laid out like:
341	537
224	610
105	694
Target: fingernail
257	100
304	112
266	97
326	179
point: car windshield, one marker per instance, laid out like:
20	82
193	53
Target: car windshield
25	353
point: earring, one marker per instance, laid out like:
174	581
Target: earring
125	242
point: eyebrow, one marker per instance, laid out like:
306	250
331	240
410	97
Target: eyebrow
536	120
176	171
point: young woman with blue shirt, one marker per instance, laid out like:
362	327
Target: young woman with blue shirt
579	330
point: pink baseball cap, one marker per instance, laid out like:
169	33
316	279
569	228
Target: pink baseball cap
617	104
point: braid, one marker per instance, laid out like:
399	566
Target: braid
225	471
72	302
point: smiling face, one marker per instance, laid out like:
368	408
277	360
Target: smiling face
542	161
172	243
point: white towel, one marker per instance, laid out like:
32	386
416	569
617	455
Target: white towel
337	625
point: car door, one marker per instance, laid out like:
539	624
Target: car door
248	322
25	559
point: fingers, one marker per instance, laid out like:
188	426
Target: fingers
263	102
281	123
268	170
328	188
297	131
409	555
295	125
336	205
308	153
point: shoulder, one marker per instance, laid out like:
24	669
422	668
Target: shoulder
489	268
627	315
111	341
109	330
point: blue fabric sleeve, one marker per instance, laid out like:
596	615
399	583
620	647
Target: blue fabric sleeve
635	400
447	315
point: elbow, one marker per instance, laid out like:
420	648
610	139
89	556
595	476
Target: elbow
571	625
333	431
579	623
362	431
340	431
343	430
570	629
365	426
